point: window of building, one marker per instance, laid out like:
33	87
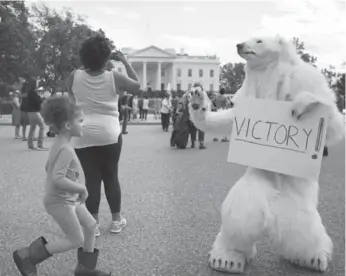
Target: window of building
120	70
190	73
178	86
211	73
189	87
201	73
211	88
162	73
179	72
162	86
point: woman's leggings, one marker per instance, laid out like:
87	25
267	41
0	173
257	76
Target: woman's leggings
100	163
165	120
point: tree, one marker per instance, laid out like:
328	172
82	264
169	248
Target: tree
335	80
60	37
339	88
300	47
17	43
232	76
329	74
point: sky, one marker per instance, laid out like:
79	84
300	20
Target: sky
215	27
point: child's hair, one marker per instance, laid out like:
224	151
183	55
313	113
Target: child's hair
58	110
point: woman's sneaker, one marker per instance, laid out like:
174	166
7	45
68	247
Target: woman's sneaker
118	225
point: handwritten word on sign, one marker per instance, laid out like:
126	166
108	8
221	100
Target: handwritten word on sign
266	136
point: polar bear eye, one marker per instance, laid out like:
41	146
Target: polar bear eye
259	41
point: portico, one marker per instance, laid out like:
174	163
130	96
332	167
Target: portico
154	75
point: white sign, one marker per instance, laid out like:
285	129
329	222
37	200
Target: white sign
266	136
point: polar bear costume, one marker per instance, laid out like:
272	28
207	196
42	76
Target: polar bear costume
264	202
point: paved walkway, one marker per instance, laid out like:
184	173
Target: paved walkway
171	199
6	120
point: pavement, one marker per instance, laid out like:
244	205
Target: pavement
6	120
171	200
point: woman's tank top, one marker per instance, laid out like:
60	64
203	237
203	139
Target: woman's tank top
98	99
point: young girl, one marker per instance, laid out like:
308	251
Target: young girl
64	196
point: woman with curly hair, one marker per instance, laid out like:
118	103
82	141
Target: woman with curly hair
95	90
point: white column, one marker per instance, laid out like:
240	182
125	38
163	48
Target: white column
173	81
144	80
158	77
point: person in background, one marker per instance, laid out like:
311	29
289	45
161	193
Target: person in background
193	130
140	107
174	103
24	118
220	102
157	107
34	102
145	108
51	132
134	107
123	104
95	91
128	104
165	112
16	114
181	129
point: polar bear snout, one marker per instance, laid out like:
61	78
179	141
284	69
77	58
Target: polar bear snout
243	49
240	46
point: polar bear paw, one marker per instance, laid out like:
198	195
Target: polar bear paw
230	261
303	103
319	262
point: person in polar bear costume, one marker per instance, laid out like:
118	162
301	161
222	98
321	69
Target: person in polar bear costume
282	206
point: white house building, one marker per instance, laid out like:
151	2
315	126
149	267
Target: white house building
160	69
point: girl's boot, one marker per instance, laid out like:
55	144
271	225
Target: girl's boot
87	262
27	258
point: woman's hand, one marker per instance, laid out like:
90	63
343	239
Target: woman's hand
119	56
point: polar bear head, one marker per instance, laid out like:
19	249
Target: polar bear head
264	50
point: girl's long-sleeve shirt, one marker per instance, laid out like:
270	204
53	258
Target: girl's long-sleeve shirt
62	174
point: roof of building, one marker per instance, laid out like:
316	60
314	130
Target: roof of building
167	51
